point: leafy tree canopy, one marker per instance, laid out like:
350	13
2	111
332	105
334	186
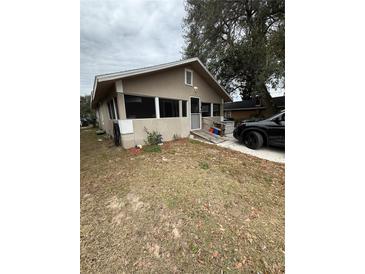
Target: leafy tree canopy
241	42
85	109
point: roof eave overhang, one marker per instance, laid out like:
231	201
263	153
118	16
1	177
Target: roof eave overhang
252	108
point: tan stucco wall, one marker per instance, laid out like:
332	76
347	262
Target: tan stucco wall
171	84
105	123
166	126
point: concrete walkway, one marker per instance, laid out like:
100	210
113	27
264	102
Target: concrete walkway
268	153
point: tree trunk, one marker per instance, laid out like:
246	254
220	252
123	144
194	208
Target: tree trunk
267	102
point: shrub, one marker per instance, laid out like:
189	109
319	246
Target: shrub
153	138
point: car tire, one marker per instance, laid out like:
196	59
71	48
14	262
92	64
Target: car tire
252	139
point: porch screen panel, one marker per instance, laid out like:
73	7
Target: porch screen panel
216	110
206	109
184	108
139	107
116	106
169	108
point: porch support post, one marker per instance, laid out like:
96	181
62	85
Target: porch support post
222	110
211	109
157	107
120	99
180	108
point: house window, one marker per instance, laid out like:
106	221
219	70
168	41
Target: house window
228	114
257	100
206	109
188	77
169	108
110	113
184	108
216	110
139	107
116	107
111	109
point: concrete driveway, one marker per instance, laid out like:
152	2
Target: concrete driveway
268	153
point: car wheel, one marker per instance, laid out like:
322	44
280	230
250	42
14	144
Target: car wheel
252	139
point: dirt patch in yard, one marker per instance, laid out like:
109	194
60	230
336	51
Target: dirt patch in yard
192	207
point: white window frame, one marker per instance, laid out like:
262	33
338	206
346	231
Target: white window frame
213	109
192	77
157	107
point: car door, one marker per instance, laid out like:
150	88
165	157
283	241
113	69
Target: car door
276	131
282	131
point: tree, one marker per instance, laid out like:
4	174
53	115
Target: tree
241	42
85	108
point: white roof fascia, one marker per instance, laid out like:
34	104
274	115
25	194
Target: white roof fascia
113	76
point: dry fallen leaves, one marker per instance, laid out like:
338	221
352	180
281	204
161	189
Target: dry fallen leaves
209	204
238	265
215	254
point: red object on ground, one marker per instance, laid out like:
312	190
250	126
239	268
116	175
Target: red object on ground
135	150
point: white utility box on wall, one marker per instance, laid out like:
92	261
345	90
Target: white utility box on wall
125	126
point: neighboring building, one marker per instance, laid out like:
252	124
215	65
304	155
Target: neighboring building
172	98
242	110
279	102
252	108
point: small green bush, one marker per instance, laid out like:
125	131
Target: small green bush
153	138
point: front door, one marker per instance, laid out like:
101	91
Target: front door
195	113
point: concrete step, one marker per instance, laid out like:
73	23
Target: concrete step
206	135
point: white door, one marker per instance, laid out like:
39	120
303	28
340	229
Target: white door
195	113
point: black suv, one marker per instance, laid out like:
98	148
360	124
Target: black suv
269	132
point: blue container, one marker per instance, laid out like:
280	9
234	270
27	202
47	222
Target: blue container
215	131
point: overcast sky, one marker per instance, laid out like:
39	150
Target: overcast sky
117	35
124	34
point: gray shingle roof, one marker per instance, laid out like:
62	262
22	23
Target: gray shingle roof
245	104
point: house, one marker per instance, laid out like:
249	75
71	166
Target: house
242	110
173	98
279	102
251	108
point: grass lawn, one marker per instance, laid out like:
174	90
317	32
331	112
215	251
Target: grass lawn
190	207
